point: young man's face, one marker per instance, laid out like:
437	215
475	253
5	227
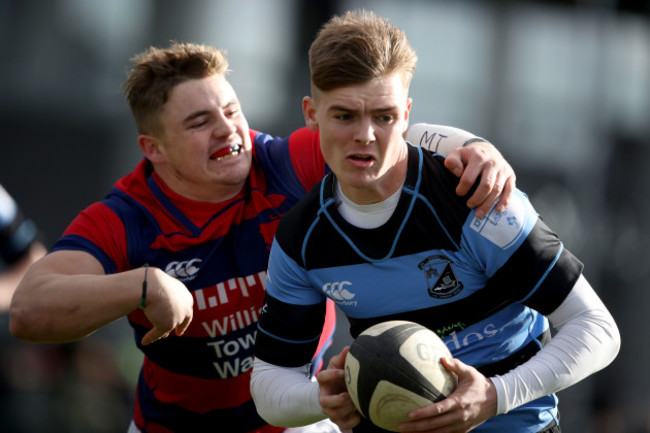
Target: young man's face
205	147
361	129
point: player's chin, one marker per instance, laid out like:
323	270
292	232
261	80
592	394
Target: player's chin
233	174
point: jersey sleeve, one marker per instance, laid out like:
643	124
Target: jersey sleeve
521	255
306	156
98	231
292	319
294	164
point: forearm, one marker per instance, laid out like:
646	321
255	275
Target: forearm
53	303
587	341
285	397
439	138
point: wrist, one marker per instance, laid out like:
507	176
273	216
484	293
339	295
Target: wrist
501	396
474	140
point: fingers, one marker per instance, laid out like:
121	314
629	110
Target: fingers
499	192
153	335
331	381
334	398
180	329
508	191
338	360
472	402
484	162
485	196
169	308
454	162
348	422
341	410
469	167
486	192
455	366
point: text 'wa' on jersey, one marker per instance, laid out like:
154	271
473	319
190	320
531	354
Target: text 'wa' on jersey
482	285
220	251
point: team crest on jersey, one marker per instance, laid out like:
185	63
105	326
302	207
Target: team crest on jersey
441	279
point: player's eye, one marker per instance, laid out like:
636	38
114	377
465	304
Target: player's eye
233	112
198	124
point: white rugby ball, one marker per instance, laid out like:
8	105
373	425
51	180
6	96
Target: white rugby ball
393	368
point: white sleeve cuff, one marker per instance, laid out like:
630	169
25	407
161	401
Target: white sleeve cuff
285	397
587	341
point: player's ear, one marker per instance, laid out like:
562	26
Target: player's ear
309	111
151	148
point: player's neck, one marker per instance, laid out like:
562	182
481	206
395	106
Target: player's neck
366	216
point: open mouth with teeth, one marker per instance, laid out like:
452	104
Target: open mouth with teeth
227	153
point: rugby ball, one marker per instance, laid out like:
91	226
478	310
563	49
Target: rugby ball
393	368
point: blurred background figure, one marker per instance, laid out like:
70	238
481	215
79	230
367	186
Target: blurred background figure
71	387
563	87
19	246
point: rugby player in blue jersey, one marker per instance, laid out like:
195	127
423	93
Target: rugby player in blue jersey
180	245
387	226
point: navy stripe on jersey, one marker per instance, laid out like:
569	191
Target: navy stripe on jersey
297	344
78	243
140	225
173	210
278	167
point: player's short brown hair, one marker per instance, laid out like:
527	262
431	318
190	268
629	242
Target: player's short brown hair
357	47
157	71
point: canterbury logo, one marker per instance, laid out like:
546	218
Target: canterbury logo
183	270
337	290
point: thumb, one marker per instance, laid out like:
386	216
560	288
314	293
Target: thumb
338	361
153	335
455	366
454	162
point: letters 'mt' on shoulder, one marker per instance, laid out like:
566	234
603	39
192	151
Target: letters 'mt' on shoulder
439	138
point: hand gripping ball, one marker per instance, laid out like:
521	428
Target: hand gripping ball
393	368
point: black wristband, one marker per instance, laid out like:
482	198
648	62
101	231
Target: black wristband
474	140
143	301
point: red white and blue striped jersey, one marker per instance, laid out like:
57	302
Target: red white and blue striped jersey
220	251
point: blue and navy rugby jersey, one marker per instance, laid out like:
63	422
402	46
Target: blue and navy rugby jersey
482	285
220	252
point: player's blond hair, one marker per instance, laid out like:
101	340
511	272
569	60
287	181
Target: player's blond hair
357	47
157	71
